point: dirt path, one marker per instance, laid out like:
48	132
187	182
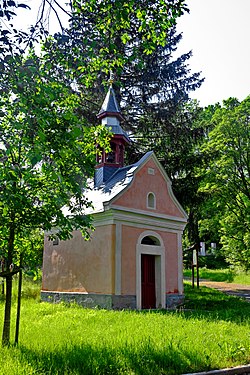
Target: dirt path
238	290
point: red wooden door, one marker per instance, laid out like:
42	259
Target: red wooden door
148	281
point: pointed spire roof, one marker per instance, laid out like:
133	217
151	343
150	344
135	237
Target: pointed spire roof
110	113
110	106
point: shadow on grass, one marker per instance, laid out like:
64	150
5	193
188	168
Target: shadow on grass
209	304
213	304
87	360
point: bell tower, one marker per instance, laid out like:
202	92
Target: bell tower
111	117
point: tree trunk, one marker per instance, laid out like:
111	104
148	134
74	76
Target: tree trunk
7	312
19	301
6	327
2	269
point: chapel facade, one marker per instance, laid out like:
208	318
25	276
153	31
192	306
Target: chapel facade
134	257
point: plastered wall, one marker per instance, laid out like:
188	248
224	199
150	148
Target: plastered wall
136	195
77	265
130	237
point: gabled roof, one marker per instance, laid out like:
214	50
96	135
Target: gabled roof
120	181
117	183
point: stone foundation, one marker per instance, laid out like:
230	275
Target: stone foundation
104	301
174	300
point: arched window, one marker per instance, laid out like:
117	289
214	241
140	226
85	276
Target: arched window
150	240
151	202
111	154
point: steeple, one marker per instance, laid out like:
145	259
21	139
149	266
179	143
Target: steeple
111	117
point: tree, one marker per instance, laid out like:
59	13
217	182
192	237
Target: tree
227	178
14	40
47	152
47	148
121	31
153	90
162	119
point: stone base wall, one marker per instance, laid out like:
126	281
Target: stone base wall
174	300
124	302
104	301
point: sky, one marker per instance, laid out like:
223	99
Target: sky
218	33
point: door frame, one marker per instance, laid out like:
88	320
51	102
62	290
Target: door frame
160	270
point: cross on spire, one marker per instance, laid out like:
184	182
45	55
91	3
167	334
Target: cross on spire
111	78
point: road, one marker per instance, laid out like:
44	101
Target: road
238	290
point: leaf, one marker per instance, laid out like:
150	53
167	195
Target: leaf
35	159
11	3
5	32
23	6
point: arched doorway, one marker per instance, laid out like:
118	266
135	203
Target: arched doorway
148	291
150	271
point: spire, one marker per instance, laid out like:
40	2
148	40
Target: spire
110	114
110	106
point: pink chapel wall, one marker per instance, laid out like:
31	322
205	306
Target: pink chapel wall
77	265
130	237
136	195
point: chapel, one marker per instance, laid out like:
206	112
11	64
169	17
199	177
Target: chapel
134	257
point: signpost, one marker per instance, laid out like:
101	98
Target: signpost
195	264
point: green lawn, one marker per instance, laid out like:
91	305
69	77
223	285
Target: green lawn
226	275
210	331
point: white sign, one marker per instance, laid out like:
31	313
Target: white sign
194	258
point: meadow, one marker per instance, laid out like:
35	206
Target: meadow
226	275
210	331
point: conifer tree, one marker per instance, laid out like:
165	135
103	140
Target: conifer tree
153	91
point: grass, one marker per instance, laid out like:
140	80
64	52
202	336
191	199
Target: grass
226	275
211	331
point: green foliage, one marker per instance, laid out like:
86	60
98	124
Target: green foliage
69	339
211	261
47	151
152	88
226	182
235	236
32	247
137	26
31	288
216	303
47	154
223	275
230	275
47	148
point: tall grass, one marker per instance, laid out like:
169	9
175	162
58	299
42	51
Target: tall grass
30	288
225	275
67	339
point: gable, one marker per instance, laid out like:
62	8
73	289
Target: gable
150	185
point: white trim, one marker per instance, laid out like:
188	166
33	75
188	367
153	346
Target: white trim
113	216
147	213
160	274
148	233
118	258
145	227
180	263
